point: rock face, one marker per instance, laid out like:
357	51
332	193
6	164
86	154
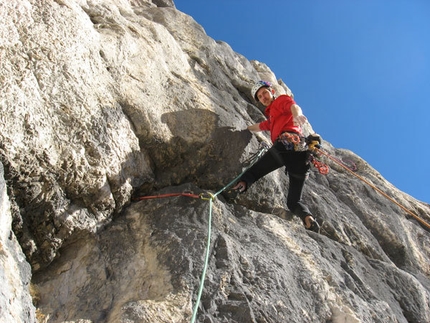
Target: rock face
15	272
105	101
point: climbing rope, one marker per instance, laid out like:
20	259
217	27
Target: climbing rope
420	220
211	197
254	159
322	168
149	197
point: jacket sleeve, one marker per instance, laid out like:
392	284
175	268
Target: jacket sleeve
288	102
265	125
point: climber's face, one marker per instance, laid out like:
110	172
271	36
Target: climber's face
265	96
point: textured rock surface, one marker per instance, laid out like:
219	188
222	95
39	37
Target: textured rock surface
105	100
15	272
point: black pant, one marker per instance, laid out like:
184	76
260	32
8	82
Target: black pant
296	167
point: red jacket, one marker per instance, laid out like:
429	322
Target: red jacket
279	117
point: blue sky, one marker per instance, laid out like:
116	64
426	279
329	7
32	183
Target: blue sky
360	70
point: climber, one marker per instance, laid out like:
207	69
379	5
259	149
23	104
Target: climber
284	121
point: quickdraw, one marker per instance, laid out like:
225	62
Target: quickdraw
313	147
323	169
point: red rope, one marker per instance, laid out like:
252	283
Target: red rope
423	222
149	197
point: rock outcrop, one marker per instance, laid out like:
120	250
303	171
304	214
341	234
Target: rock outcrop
105	101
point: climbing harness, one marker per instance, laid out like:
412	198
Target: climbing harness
296	142
293	141
210	197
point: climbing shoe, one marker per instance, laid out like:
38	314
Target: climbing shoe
315	227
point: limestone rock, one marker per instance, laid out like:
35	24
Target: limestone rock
15	272
105	101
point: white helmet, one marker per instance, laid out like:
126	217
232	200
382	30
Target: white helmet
258	86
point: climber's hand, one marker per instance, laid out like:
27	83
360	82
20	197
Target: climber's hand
300	120
241	186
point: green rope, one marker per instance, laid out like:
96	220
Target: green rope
208	243
206	264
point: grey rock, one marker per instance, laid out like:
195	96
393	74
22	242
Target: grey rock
15	272
103	102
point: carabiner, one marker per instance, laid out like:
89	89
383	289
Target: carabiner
208	196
